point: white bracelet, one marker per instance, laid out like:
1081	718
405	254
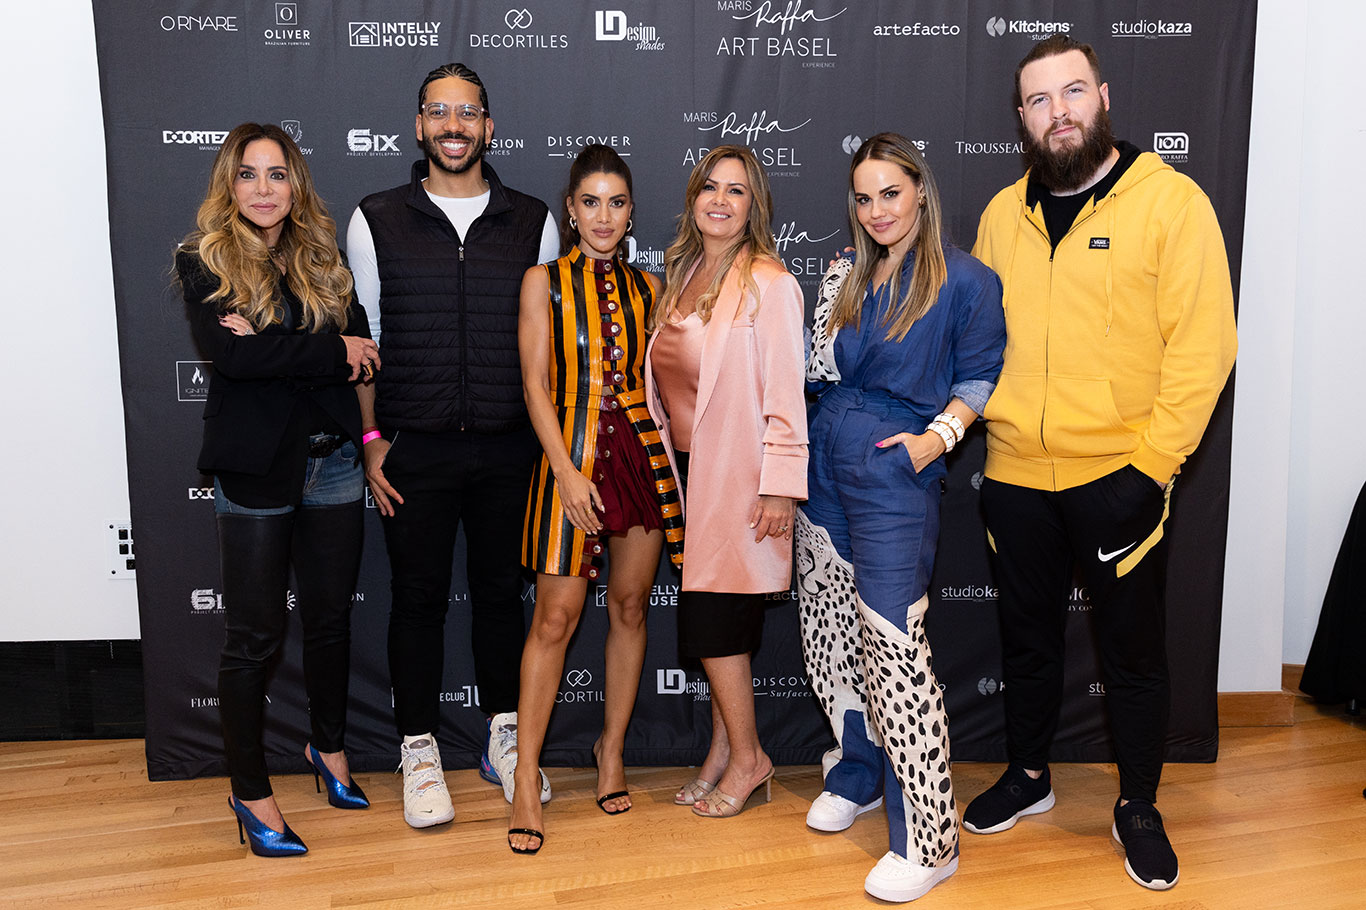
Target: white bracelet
953	424
945	433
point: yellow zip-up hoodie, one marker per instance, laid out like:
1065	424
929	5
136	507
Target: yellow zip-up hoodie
1118	343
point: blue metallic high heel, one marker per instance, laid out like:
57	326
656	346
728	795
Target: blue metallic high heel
338	794
265	841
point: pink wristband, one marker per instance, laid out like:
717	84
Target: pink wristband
370	437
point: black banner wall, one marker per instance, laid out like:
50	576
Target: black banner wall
798	80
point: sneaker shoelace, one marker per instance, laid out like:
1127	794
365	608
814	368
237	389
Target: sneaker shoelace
421	765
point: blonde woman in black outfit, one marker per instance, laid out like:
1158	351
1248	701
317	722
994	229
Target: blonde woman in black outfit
270	302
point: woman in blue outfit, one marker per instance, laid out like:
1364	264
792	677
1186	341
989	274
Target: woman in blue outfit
270	302
906	347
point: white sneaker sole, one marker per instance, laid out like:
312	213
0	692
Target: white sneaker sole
1038	808
833	826
901	895
1156	884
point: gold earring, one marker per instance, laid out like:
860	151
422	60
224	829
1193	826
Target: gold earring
573	224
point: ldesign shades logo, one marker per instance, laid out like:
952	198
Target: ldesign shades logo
611	25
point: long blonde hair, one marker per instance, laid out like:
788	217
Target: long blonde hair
235	250
929	272
755	241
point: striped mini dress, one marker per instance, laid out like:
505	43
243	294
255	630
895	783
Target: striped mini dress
597	345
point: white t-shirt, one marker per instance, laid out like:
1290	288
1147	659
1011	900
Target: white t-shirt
360	247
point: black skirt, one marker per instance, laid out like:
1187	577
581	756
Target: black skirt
713	623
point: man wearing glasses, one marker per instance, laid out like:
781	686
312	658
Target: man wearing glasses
438	264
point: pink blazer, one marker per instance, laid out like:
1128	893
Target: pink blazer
749	433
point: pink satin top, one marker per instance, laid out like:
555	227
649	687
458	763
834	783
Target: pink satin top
677	367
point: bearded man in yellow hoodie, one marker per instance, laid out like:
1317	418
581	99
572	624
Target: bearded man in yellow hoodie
1120	336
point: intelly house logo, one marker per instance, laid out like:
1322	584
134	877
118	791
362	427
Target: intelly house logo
204	140
1150	28
519	35
799	31
1172	146
365	143
570	146
394	34
612	25
287	31
1035	29
192	379
184	23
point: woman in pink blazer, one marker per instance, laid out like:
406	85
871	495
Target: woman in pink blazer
724	383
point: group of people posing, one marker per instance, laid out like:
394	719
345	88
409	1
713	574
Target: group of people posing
485	361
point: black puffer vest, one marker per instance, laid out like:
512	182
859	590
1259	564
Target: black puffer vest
448	309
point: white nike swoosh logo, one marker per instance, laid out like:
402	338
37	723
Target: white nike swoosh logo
1106	557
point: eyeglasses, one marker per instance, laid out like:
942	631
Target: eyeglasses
437	111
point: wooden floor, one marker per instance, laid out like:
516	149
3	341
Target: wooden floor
1279	821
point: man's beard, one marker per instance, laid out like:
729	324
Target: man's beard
1071	166
431	145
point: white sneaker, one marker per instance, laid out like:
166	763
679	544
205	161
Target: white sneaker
899	880
830	812
426	801
500	757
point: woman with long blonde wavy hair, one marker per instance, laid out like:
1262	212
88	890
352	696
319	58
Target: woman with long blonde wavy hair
270	303
724	385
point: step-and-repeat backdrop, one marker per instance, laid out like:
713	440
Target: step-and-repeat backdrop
800	81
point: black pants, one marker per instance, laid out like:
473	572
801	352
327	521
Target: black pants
482	481
1112	528
255	553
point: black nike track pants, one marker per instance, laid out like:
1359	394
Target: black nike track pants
1113	529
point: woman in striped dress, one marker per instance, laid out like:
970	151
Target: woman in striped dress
604	482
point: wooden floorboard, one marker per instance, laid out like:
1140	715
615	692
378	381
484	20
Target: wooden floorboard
1278	822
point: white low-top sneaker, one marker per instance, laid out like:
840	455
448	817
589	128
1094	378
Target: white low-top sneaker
500	758
899	880
829	812
426	801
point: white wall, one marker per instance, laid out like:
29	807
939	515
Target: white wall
1299	429
62	457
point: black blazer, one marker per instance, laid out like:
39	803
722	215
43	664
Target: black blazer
260	381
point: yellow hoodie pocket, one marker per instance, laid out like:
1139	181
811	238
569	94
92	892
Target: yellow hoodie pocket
1080	420
1014	412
